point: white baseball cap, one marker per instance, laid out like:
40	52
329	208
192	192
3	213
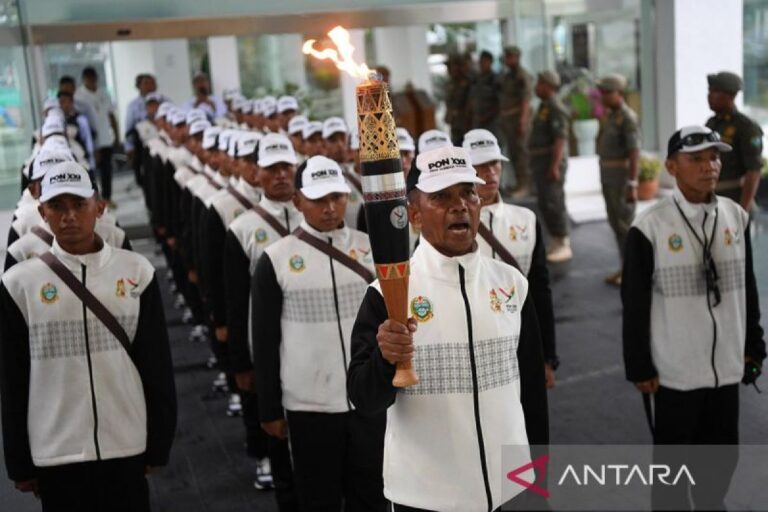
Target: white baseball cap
285	103
482	146
177	117
247	107
198	126
311	128
333	125
228	138
211	136
297	124
153	96
320	176
274	148
269	106
52	124
164	109
66	178
433	139
195	115
443	167
246	143
47	158
404	140
238	102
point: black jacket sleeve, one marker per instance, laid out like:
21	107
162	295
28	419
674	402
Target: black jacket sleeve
533	389
267	308
755	344
151	353
541	293
9	261
636	296
369	378
362	222
237	282
212	261
12	237
127	244
14	388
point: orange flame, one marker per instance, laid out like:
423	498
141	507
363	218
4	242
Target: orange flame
342	57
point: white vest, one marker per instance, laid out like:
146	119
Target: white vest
515	227
31	245
431	447
313	356
59	375
228	207
682	331
355	200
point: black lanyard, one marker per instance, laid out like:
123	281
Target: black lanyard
710	270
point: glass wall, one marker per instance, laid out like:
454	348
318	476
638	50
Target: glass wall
756	61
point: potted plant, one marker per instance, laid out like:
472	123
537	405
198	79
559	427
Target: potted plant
583	99
648	177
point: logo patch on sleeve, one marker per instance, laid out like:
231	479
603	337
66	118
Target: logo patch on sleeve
675	242
296	263
421	309
49	294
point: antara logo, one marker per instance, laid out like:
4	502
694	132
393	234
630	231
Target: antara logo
439	164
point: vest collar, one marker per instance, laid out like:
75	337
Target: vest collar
250	192
93	260
431	262
340	237
496	208
694	211
277	208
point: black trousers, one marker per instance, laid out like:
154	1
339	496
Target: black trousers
114	485
707	416
338	459
104	166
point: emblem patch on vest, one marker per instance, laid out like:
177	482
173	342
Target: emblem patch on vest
675	243
49	294
523	230
421	309
260	236
296	263
505	300
495	302
120	288
512	233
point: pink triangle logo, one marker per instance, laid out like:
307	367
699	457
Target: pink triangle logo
541	465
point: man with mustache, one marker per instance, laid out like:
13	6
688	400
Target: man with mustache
473	339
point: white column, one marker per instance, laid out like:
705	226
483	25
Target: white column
172	69
225	67
687	52
348	83
405	52
129	58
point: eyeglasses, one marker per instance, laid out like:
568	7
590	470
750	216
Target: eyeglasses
711	278
695	139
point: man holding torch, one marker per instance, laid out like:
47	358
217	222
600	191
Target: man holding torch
473	339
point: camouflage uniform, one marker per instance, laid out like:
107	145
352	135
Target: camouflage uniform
457	108
619	135
484	98
549	124
746	138
516	89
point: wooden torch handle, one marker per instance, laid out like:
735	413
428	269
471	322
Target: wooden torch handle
395	292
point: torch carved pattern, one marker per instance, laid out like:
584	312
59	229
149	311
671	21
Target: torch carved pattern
378	135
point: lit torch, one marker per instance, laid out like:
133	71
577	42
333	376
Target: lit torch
383	183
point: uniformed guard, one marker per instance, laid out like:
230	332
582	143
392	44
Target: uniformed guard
692	319
457	110
618	146
512	234
548	147
306	290
515	117
740	176
88	396
407	149
484	95
472	338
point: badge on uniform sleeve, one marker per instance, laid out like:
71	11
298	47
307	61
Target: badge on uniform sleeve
49	294
260	236
495	301
134	284
296	263
120	288
728	236
523	231
507	296
675	243
512	233
421	309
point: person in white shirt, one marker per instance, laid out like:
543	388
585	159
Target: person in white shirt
107	133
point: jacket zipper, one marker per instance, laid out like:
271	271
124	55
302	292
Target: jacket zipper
475	391
90	376
490	228
287	220
709	303
338	323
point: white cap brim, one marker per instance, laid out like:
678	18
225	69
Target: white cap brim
483	157
287	158
407	147
722	146
318	191
438	183
75	191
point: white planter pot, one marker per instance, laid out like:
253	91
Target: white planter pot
585	132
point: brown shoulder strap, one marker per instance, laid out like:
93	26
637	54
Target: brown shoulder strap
336	254
42	234
354	180
213	182
271	220
247	204
90	301
496	245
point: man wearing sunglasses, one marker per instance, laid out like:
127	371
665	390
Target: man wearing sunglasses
741	167
691	315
